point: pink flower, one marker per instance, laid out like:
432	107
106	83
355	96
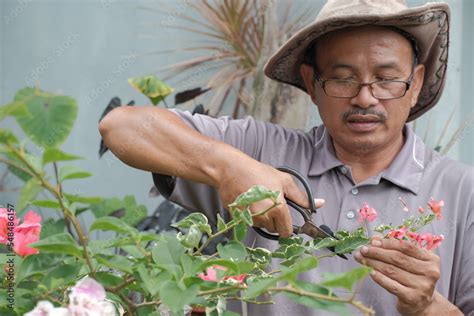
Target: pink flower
367	213
7	220
211	275
27	233
398	233
421	210
431	241
435	207
45	308
88	297
21	242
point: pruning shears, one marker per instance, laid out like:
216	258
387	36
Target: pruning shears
309	227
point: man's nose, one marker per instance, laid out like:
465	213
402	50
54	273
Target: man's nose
364	99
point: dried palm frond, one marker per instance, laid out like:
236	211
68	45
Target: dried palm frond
230	34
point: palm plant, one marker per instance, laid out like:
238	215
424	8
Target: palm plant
236	37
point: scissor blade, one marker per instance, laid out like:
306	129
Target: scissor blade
314	231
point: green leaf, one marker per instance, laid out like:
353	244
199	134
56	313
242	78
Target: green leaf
59	243
347	279
129	211
300	266
254	194
16	108
192	219
245	216
258	287
233	250
113	224
47	203
150	283
50	227
152	87
350	244
72	172
261	256
83	199
176	298
240	230
28	193
52	116
198	220
7	137
323	243
62	275
221	225
321	304
55	154
39	264
167	254
192	238
115	262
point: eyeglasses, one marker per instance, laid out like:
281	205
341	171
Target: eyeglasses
380	89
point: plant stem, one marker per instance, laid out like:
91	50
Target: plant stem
291	289
229	227
66	212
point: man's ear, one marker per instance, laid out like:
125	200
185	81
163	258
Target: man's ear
307	74
418	78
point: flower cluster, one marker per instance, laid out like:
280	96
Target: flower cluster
20	235
87	297
427	241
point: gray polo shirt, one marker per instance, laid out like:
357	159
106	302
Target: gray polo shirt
416	174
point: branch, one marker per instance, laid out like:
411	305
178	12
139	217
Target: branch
66	212
291	289
225	230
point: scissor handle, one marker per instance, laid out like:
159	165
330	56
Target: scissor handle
304	212
306	185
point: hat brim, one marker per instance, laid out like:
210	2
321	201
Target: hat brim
429	24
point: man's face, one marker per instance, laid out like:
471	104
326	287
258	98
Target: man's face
363	123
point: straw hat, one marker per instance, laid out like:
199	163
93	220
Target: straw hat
429	24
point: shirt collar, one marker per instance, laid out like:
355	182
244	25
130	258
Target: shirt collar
405	171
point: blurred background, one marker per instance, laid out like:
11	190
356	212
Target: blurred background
88	49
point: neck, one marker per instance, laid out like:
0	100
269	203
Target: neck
369	162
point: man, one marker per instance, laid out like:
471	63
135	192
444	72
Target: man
370	67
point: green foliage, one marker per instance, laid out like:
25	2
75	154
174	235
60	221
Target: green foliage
51	116
168	268
152	87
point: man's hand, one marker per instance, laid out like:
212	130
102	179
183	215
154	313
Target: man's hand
243	175
405	270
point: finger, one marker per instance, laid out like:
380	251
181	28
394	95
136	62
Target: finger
405	247
319	202
295	194
282	221
393	272
402	292
396	258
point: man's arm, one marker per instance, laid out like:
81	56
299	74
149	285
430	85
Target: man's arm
157	140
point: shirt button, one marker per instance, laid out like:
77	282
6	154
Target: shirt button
350	214
355	191
343	170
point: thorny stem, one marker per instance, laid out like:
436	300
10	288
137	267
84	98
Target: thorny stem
58	195
67	222
225	230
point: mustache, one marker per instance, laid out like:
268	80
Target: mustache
361	111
